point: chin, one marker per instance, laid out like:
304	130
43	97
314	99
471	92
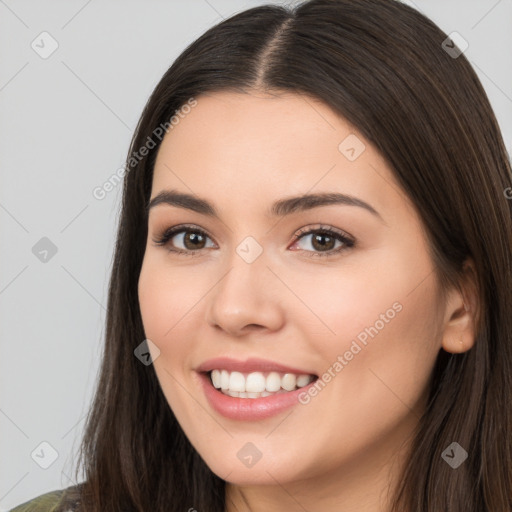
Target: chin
237	467
258	475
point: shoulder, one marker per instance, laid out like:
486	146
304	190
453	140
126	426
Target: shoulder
47	502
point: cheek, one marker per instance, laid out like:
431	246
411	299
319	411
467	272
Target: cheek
166	301
375	330
166	297
379	356
155	300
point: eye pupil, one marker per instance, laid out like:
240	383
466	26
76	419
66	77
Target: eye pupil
191	237
321	245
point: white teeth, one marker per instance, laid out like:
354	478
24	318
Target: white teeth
303	380
273	382
236	382
216	379
257	384
224	379
289	381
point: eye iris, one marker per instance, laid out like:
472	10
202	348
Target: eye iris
319	236
191	236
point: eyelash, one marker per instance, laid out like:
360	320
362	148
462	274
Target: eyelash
339	235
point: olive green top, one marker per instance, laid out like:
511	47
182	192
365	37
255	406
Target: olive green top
44	503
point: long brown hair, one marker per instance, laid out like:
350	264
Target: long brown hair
382	66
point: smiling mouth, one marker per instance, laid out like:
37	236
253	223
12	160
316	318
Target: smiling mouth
257	384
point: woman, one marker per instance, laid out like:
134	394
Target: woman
310	301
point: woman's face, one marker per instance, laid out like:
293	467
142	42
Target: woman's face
361	313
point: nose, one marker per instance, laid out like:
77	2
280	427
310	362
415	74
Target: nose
246	298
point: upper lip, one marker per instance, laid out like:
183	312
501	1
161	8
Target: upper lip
248	366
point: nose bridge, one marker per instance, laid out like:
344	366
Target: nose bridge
244	295
247	264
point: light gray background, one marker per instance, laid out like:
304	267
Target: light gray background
65	126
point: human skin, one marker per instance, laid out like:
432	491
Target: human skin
344	448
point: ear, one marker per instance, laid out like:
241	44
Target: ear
462	312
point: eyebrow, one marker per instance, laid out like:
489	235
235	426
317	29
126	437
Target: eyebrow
280	208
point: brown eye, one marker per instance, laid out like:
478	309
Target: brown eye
187	240
322	241
193	240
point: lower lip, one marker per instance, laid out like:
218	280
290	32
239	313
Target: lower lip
249	409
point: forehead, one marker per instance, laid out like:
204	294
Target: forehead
257	146
246	123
